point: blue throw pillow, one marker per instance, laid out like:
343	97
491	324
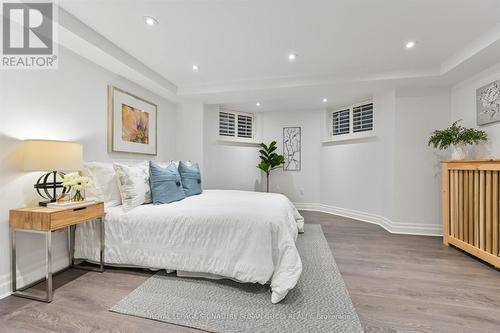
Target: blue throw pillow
166	184
191	178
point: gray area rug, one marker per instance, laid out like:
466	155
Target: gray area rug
319	303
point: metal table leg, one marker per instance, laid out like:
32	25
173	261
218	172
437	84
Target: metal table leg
21	292
78	265
13	259
48	276
101	256
71	243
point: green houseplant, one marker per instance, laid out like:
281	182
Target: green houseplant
269	160
457	137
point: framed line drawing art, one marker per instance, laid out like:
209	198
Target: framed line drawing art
132	123
292	148
488	103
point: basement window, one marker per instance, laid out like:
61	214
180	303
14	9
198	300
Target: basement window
236	126
351	122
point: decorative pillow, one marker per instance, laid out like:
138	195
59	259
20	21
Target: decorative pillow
166	183
191	178
133	182
103	186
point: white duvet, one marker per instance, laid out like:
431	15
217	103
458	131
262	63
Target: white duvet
246	236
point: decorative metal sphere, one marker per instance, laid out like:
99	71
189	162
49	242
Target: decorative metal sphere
44	185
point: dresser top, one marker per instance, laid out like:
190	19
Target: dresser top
52	210
48	218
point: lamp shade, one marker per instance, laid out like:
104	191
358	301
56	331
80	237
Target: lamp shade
46	155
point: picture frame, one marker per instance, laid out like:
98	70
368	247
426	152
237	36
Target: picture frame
488	103
132	123
292	148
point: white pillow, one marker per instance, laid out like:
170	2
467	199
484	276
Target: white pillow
103	186
133	182
188	162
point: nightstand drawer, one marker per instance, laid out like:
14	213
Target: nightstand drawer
47	218
71	216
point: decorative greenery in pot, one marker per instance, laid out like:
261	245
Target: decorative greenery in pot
269	160
458	137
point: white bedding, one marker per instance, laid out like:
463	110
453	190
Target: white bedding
245	236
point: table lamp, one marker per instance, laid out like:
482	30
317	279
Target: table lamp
54	157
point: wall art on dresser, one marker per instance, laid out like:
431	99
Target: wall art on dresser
132	123
488	103
291	148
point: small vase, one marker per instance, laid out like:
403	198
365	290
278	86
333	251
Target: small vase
78	195
459	152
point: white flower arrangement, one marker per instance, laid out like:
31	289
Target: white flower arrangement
75	181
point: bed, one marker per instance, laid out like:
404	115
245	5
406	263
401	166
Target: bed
245	236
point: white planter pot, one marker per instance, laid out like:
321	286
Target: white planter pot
458	152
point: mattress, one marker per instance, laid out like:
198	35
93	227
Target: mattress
245	236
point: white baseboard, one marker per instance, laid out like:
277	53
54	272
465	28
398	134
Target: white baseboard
425	229
30	274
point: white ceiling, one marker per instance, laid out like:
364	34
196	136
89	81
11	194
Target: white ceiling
241	46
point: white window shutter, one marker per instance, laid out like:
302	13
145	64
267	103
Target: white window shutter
226	123
340	122
245	126
236	125
362	117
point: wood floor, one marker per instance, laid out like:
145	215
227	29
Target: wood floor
398	283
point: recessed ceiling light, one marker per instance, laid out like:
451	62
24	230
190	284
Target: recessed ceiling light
257	104
410	44
150	20
195	68
292	56
325	100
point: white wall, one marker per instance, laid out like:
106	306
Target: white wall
357	175
69	103
189	132
417	169
228	166
392	179
234	165
303	185
463	106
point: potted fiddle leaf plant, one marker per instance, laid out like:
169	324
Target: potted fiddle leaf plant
269	160
457	137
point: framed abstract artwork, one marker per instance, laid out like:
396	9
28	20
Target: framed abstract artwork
488	103
292	148
132	123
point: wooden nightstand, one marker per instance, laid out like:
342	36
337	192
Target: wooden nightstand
45	220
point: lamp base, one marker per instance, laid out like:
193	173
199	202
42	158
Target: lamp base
45	203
